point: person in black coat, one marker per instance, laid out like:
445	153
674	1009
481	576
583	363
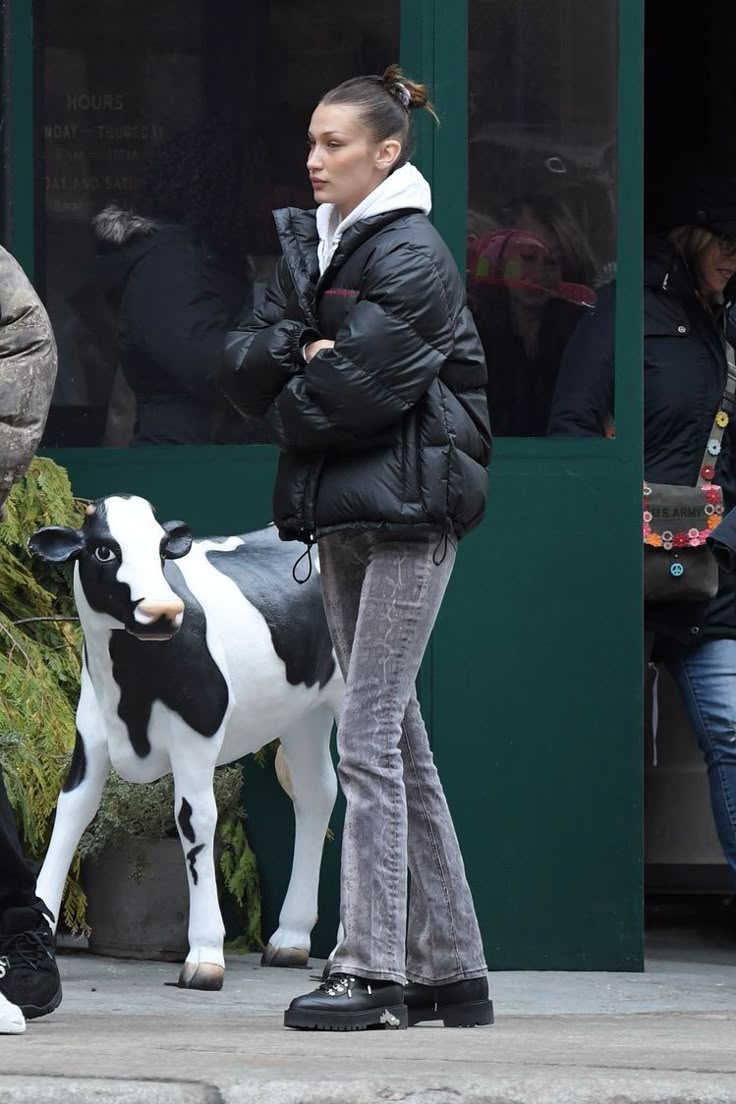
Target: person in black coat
366	366
688	319
177	272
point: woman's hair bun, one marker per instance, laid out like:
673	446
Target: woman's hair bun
407	92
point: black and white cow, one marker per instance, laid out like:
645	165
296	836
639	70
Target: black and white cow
196	653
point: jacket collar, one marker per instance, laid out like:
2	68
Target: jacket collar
665	269
297	230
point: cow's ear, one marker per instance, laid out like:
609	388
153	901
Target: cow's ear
56	543
178	540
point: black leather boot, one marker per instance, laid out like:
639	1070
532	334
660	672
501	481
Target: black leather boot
459	1004
347	1003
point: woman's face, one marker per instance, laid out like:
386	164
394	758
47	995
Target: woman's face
344	163
539	266
715	264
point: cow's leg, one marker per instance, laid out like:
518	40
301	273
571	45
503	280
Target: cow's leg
78	800
307	748
196	818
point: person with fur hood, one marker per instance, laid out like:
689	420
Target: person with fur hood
177	272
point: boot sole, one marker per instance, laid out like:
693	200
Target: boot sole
33	1011
395	1017
473	1014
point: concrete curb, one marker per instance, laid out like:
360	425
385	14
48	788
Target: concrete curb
568	1087
84	1090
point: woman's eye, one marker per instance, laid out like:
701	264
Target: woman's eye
104	554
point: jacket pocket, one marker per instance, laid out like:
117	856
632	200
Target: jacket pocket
410	464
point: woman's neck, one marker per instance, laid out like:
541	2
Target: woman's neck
527	322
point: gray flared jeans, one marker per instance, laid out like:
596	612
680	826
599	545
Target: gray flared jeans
382	597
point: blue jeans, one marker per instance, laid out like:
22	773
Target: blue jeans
706	676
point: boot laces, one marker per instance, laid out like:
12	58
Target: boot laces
29	948
338	984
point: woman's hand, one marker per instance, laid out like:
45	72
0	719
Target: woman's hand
315	347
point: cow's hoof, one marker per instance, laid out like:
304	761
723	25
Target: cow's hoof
285	956
204	976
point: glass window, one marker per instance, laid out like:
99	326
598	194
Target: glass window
170	132
542	191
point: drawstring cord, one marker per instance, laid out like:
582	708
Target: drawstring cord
308	554
442	543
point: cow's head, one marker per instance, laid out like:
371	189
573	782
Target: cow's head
119	554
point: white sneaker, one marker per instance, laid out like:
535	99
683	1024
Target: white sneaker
11	1018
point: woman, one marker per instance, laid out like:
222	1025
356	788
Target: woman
367	368
687	321
178	273
529	287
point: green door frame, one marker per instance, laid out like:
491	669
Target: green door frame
533	685
550	815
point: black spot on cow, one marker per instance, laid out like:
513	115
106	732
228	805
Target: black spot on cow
261	569
192	860
102	589
185	820
77	767
179	672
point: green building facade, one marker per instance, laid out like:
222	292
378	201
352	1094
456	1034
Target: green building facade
532	686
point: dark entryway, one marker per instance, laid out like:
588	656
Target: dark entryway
690	107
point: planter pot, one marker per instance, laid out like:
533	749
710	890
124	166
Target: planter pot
138	901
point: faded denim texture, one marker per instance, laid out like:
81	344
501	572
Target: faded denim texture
706	676
382	596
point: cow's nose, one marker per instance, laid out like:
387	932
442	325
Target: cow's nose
149	610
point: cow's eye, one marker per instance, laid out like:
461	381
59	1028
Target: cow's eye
104	554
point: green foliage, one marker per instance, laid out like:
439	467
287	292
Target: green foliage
39	660
132	811
239	873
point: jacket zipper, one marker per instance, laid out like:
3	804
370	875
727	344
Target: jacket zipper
309	500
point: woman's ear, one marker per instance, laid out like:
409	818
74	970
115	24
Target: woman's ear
388	154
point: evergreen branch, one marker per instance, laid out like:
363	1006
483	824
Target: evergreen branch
16	644
28	620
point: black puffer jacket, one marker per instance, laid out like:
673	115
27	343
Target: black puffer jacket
390	428
684	378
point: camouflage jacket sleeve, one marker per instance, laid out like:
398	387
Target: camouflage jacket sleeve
27	371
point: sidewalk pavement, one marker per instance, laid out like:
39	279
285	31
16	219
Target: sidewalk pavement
125	1034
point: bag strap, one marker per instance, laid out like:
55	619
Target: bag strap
721	420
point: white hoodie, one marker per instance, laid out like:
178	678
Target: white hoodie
404	188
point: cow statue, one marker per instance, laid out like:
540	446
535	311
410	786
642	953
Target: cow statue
196	652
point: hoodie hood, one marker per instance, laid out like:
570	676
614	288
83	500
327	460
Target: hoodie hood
404	189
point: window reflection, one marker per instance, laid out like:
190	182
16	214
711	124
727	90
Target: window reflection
170	132
541	224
